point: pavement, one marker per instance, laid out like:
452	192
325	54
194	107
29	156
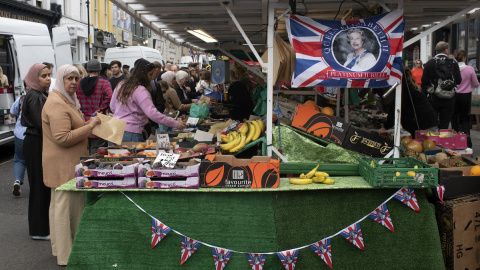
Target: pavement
17	249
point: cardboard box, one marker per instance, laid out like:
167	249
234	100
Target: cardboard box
453	140
288	108
110	177
459	227
322	125
230	172
367	142
185	176
458	182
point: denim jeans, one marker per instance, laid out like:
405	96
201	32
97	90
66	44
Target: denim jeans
19	161
132	137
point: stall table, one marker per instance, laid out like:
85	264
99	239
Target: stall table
114	234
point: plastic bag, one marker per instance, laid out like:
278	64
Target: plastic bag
199	110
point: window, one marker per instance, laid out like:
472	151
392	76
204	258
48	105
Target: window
472	38
461	36
106	15
96	14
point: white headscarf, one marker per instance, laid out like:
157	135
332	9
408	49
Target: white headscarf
62	72
168	76
181	75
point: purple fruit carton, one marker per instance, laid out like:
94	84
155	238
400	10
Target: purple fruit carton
184	175
93	173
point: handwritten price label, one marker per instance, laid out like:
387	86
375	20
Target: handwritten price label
192	121
167	159
163	141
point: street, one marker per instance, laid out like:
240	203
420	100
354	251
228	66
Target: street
18	249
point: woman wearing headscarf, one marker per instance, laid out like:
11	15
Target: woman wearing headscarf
65	139
132	102
172	102
3	78
37	82
185	95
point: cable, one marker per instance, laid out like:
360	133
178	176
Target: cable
338	11
340	7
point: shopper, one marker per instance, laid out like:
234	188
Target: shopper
206	87
118	76
65	135
444	107
132	102
463	98
125	70
241	74
172	102
3	79
417	112
37	81
82	70
185	93
18	159
417	72
94	94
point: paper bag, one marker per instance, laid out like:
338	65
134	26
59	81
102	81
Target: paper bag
111	129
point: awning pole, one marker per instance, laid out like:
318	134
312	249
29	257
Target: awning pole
398	111
256	67
254	70
240	29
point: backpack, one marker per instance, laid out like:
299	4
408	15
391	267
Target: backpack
446	86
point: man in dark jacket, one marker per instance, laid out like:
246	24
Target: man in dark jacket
94	94
118	76
443	107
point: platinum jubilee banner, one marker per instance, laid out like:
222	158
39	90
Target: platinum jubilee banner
365	53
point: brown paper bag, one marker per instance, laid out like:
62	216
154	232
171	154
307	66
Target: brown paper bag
111	129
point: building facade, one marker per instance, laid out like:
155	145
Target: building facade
101	18
122	25
75	18
32	11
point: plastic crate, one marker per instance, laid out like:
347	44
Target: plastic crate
392	172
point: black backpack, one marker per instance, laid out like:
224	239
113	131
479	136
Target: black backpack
444	72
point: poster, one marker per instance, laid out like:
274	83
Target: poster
365	53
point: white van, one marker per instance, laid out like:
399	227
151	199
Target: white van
23	44
128	55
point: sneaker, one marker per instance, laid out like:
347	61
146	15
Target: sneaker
16	188
44	238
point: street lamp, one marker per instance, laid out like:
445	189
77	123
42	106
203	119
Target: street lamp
88	29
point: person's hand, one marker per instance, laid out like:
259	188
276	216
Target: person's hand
93	121
195	101
188	88
181	125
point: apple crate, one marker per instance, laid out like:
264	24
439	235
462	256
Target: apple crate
393	172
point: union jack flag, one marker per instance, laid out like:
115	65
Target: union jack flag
189	246
326	56
288	258
159	230
353	233
407	196
324	250
221	257
256	260
440	192
382	216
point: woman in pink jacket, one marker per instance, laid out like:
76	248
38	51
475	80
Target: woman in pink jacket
132	102
463	98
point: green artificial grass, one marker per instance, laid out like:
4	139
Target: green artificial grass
113	231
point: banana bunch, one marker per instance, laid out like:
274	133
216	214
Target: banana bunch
430	133
312	176
248	131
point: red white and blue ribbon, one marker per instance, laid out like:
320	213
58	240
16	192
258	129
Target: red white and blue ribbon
407	196
189	246
382	216
324	250
159	231
353	233
256	260
288	258
221	257
440	191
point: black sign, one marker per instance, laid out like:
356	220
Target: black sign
99	36
20	11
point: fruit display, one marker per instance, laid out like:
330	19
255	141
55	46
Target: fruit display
184	175
246	132
94	173
313	176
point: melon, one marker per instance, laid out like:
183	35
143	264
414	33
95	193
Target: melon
415	146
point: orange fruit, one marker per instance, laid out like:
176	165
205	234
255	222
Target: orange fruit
475	171
327	111
311	103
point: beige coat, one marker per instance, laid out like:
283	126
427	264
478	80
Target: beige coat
173	103
65	139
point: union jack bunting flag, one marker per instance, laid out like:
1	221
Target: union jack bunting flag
407	196
324	250
221	257
189	246
288	258
364	53
353	233
440	192
159	230
382	216
256	260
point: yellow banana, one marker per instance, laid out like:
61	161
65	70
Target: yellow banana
258	130
443	136
322	174
312	172
318	179
240	145
244	128
251	133
372	163
224	138
302	176
329	181
260	123
231	145
297	181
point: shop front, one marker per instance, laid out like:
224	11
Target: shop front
22	11
79	39
102	40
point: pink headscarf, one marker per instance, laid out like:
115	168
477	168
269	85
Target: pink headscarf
32	81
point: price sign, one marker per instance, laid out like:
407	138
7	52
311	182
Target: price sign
163	141
167	159
192	121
